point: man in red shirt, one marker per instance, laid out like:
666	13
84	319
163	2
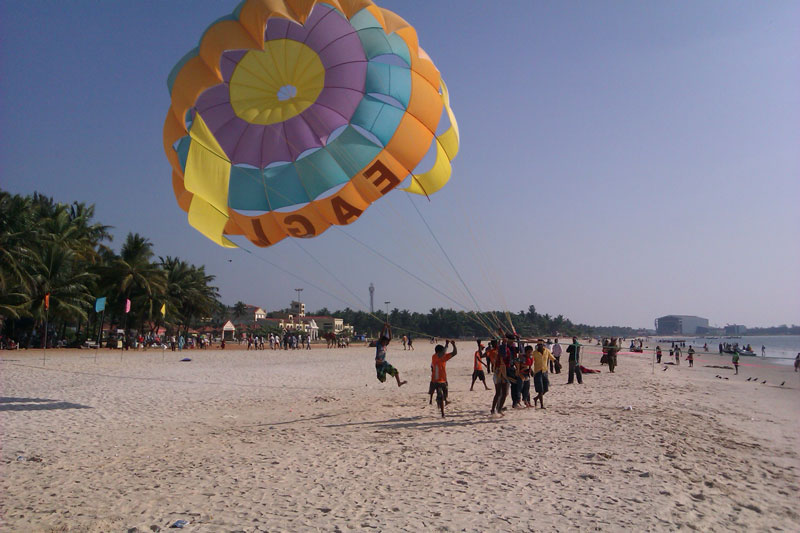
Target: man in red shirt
439	372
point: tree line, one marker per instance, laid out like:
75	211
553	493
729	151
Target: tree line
442	322
55	261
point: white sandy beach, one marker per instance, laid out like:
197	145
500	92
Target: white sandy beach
310	440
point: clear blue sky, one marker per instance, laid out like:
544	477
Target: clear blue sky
619	160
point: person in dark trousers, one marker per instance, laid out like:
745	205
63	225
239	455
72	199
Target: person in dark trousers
541	383
500	386
658	354
574	352
477	367
439	372
612	354
510	358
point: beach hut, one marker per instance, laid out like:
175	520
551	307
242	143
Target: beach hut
228	331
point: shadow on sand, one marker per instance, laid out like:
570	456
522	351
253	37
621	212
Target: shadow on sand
8	403
472	418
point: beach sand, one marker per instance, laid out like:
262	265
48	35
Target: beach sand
310	440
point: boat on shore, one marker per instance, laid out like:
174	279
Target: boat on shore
734	348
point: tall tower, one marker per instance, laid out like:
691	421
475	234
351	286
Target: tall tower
371	298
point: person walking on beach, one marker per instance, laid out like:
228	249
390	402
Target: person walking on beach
557	354
405	341
382	367
613	349
658	354
735	361
541	357
439	371
763	351
574	361
525	375
500	379
690	356
491	356
508	352
677	355
410	342
477	367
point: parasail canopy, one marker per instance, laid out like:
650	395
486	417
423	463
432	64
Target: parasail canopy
293	115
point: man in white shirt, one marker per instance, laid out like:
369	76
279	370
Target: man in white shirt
556	349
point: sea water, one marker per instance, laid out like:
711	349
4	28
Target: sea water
778	348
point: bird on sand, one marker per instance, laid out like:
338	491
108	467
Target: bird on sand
748	379
764	382
782	383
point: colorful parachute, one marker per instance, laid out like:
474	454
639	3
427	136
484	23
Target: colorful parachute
292	115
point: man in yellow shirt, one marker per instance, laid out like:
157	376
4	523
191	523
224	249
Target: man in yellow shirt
541	359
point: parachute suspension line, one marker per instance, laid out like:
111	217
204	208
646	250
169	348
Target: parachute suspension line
406	271
439	244
449	282
493	286
403	269
331	274
489	281
292	274
362	303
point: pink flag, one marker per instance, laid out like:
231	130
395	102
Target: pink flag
127	306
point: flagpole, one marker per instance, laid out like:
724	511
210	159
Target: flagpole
100	333
46	318
125	328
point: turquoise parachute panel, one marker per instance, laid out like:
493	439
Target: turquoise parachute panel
283	186
352	151
389	80
319	172
363	20
183	150
377	117
246	190
376	43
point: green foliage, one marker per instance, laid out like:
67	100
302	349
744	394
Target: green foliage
55	249
442	323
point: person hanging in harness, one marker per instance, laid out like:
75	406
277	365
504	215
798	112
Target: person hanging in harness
382	367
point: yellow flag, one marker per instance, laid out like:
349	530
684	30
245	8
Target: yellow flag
164	310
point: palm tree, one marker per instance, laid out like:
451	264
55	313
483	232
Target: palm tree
239	309
17	233
189	290
55	272
133	276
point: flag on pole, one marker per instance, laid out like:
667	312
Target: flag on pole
47	301
100	304
164	310
127	306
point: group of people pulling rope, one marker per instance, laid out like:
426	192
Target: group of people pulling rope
513	362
